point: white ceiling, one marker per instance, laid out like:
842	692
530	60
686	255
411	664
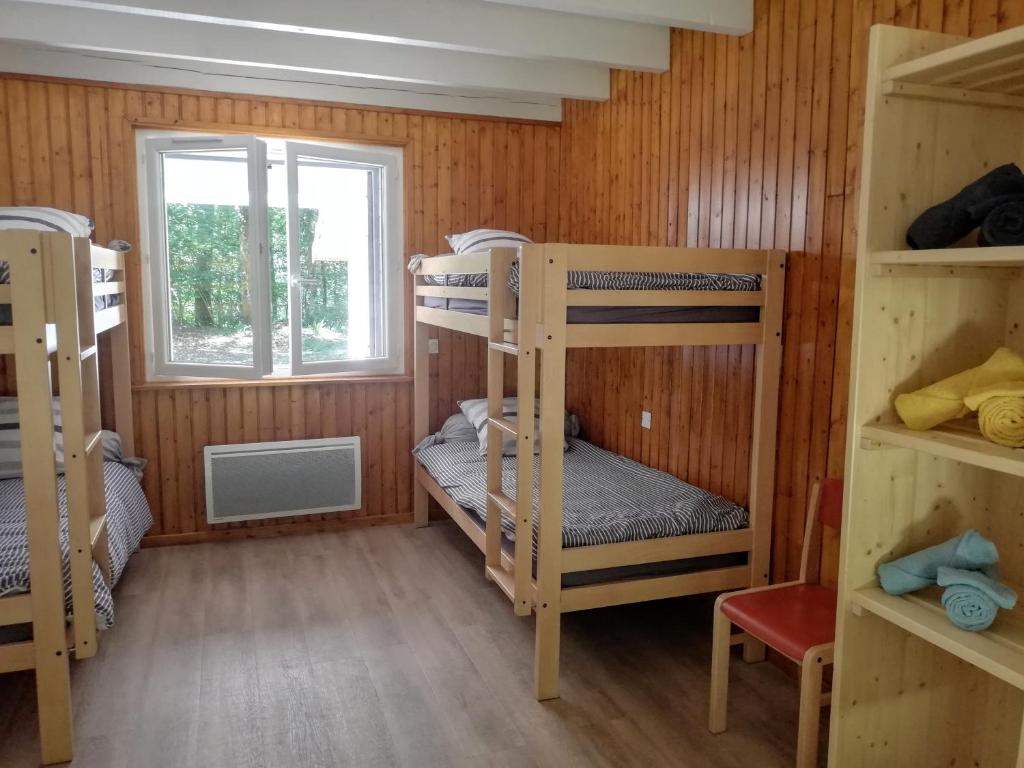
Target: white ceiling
512	58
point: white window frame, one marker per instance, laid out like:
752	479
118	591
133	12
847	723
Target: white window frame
159	366
386	241
156	260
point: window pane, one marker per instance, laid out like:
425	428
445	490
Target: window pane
339	267
206	205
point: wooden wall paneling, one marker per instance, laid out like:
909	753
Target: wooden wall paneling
754	142
71	145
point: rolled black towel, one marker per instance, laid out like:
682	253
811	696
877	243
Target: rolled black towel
943	224
1004	225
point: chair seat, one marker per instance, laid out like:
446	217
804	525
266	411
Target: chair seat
790	619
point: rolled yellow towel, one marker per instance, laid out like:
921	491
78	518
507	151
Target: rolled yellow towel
944	400
1000	410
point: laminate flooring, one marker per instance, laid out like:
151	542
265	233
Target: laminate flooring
386	647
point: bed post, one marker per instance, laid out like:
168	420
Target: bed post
421	407
35	389
120	359
530	269
763	444
553	261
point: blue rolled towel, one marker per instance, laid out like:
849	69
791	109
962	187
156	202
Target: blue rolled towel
969	550
972	599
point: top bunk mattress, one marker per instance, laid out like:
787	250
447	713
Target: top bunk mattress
608	499
616	281
128	519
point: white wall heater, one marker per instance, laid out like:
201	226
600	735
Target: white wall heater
293	477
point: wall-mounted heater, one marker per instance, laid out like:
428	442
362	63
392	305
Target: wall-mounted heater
293	477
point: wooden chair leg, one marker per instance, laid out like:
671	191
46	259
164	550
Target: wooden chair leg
810	708
720	647
546	653
753	650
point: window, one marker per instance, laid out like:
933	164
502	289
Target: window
269	257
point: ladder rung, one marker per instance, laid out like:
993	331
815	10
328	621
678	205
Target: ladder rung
96	528
509	427
93	440
503	502
88	352
503	346
504	581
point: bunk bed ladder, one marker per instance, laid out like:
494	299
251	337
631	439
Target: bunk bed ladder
27	257
518	584
78	369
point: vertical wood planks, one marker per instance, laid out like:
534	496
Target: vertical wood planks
71	145
753	142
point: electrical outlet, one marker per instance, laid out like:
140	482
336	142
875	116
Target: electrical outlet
433	346
645	419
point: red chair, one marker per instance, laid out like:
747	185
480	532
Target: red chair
797	619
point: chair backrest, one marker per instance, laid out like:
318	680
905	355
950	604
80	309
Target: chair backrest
825	508
830	502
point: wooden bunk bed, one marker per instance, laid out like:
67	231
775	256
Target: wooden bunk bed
534	327
51	296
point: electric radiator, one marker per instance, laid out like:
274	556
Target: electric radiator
294	477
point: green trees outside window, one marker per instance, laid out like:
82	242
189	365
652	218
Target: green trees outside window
209	299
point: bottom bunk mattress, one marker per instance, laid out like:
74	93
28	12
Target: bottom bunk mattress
128	519
609	499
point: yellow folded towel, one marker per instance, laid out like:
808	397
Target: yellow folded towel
944	400
1000	410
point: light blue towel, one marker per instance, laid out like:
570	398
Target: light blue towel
969	550
972	599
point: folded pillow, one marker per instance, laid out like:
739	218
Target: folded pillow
482	239
457	429
476	412
45	219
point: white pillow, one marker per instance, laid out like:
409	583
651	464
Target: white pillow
482	239
476	412
45	219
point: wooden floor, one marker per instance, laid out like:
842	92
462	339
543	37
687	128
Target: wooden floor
385	647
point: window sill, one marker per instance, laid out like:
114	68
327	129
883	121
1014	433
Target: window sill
274	381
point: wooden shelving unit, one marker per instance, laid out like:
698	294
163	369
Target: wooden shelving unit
998	651
959	441
910	687
951	257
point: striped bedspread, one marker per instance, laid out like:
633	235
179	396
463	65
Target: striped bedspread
618	281
128	519
608	498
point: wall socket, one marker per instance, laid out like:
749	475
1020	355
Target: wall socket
433	346
645	419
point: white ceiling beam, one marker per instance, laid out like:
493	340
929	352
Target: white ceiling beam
225	78
731	17
84	29
461	25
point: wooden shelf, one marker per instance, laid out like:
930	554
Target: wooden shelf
1007	256
957	440
998	650
992	64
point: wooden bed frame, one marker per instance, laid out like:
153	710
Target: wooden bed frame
538	329
51	297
